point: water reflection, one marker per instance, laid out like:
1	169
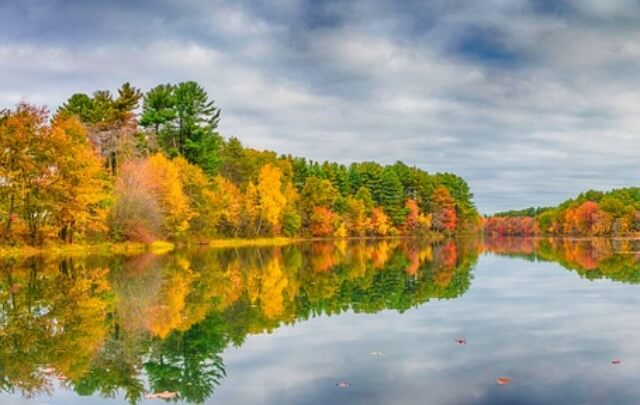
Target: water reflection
122	327
614	259
159	323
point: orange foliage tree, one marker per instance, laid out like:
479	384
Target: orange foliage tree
587	219
322	222
443	209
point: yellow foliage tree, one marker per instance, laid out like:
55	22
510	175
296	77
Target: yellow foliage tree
201	197
379	222
50	177
271	198
250	210
227	206
78	188
168	190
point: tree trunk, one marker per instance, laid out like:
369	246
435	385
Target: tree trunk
7	227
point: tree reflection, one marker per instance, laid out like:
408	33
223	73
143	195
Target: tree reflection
131	325
597	258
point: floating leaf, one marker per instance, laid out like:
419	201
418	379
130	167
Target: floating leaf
503	380
616	362
48	370
343	384
161	395
461	341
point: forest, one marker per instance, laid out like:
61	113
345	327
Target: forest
141	167
592	213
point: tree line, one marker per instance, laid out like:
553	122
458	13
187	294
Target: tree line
592	213
136	166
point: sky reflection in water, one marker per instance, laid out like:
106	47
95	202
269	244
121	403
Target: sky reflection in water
180	322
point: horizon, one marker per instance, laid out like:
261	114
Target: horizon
530	103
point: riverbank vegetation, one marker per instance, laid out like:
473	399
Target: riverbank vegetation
593	213
136	167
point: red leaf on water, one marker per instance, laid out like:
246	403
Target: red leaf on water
616	362
461	341
503	380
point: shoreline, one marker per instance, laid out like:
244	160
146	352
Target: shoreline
162	247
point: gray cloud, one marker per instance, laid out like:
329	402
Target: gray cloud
531	102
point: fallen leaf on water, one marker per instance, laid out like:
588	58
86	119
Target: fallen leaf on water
461	341
377	354
343	384
503	380
49	370
161	395
616	362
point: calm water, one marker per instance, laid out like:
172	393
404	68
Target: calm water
285	325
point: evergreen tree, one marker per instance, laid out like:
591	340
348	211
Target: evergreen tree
158	109
392	195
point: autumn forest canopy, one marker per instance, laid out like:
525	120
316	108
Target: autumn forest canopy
593	213
137	166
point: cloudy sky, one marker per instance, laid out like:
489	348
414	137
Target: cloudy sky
530	101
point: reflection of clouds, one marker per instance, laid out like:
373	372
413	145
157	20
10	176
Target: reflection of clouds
551	332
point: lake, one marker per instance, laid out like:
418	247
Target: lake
502	321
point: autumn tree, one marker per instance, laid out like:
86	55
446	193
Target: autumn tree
355	217
21	147
78	190
136	214
148	192
588	219
322	222
250	210
169	192
51	177
201	197
443	209
416	222
316	193
291	218
379	224
227	203
271	199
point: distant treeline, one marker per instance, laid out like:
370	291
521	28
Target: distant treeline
142	167
593	213
526	212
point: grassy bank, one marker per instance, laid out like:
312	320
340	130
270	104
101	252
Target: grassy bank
105	248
